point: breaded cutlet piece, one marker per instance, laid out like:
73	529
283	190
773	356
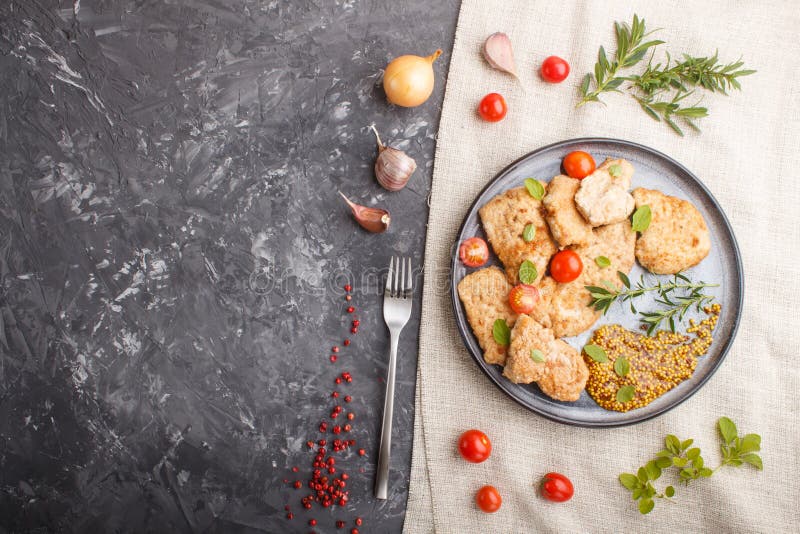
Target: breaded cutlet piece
601	201
504	219
566	307
563	373
567	225
484	294
623	174
677	238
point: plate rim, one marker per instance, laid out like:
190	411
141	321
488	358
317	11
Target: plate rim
498	382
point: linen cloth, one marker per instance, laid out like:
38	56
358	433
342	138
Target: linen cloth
746	155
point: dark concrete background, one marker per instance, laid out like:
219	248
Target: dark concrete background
172	252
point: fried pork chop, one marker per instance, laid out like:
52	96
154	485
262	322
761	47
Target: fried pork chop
484	294
504	219
563	373
677	238
565	307
567	225
621	173
601	201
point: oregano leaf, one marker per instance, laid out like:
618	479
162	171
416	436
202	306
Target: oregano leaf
535	188
501	332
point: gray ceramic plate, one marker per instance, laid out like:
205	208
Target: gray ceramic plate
654	170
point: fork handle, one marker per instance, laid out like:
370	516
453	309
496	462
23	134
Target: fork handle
382	476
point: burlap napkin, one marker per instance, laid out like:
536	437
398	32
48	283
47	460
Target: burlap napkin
747	155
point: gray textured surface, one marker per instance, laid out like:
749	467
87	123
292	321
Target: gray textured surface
172	251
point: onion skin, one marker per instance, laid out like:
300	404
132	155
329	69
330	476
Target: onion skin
408	80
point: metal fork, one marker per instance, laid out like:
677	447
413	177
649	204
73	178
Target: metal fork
396	311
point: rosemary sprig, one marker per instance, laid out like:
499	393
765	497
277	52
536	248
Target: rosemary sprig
631	49
661	89
705	72
680	80
678	296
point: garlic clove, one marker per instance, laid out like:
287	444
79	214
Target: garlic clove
373	220
498	53
393	167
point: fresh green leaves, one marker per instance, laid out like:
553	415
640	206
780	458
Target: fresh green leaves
677	297
727	429
625	393
527	272
602	262
535	188
622	366
631	49
528	233
689	464
596	352
501	332
641	218
738	450
537	356
660	89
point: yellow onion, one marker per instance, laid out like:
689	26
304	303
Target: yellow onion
408	80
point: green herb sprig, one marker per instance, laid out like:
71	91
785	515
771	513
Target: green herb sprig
689	463
631	49
677	297
661	89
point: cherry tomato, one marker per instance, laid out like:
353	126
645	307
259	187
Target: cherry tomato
557	488
566	266
474	446
523	298
554	69
488	499
579	164
493	107
473	252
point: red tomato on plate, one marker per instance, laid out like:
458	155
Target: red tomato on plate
474	446
523	298
473	252
488	499
579	164
493	107
566	266
554	69
557	488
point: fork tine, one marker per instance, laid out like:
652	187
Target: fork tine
402	282
389	276
396	279
409	280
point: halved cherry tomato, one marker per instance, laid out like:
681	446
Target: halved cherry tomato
493	107
579	164
473	252
523	298
566	266
555	69
488	499
474	446
557	488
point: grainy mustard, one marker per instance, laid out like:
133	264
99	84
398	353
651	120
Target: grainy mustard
657	364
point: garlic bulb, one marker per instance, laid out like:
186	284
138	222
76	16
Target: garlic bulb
374	220
393	167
